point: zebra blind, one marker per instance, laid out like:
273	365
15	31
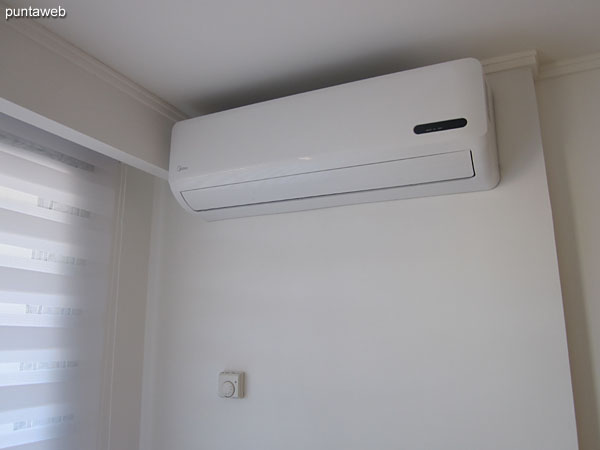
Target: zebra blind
57	206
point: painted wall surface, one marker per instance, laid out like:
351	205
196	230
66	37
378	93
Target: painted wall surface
423	324
570	119
126	343
49	84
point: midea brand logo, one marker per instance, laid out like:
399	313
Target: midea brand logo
181	168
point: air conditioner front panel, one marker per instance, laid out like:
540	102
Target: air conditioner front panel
367	119
368	177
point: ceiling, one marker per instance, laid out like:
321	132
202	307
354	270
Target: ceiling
204	56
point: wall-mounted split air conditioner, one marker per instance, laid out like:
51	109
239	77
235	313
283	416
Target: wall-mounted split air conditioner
422	132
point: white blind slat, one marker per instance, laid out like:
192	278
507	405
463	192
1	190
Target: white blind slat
72	167
50	444
29	425
49	210
36	233
34	206
49	184
37	366
12	279
35	320
38	354
41	299
41	264
20	378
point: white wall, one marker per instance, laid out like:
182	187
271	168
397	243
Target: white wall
127	315
570	118
421	324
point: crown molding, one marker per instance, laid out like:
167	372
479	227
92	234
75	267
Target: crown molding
529	59
525	59
569	66
56	44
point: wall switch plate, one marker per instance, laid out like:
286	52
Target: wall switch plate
231	384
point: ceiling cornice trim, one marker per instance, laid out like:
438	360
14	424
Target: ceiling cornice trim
529	59
525	59
56	44
569	66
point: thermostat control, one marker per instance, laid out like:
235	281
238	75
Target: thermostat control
231	384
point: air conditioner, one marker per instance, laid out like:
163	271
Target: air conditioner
421	132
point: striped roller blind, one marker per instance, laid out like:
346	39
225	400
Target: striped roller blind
57	206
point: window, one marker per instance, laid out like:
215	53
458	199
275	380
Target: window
57	208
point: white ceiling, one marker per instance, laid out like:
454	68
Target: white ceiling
204	56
